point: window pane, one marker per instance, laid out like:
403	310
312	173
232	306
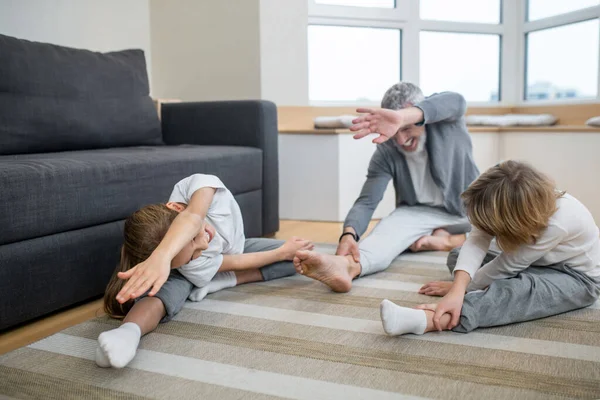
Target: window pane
562	62
465	63
339	69
538	9
483	11
360	3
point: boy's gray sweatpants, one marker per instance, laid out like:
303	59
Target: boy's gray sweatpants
177	289
537	292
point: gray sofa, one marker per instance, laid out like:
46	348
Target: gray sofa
81	148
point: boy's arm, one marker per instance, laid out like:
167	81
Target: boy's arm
153	272
473	252
508	265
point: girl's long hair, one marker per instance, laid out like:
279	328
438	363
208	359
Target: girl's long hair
143	231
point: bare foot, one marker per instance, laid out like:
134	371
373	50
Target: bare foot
439	240
336	272
437	288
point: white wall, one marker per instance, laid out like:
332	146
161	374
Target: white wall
571	159
487	148
354	158
283	50
223	50
104	25
205	50
308	177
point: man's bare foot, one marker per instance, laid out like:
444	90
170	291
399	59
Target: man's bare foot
336	272
439	240
437	288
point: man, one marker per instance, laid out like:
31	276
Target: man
425	148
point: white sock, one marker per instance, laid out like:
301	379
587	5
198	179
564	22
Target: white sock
118	346
220	281
401	320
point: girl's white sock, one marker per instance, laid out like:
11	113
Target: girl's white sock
401	320
222	280
116	348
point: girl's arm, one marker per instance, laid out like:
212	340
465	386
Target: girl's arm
153	272
239	262
186	226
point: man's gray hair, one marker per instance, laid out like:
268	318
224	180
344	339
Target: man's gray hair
401	95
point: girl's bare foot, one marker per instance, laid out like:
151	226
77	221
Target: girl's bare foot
336	272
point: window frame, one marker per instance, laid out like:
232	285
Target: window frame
555	21
512	29
406	18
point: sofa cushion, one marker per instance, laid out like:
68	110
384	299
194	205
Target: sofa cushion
49	193
55	98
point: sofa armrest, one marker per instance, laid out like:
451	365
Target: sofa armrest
251	123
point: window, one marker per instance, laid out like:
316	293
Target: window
537	9
360	3
462	62
562	62
482	11
352	64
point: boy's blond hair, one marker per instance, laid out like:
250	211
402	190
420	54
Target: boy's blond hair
513	202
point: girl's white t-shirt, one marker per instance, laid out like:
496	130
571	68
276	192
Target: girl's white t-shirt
224	215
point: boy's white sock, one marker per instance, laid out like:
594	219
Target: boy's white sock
220	281
117	347
401	320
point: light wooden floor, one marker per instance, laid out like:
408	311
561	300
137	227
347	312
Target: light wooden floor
318	232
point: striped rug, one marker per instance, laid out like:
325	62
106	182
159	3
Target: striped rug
293	338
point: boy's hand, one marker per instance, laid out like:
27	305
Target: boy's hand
452	304
348	246
288	250
152	273
438	288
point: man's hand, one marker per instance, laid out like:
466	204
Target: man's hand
152	273
377	120
348	246
384	122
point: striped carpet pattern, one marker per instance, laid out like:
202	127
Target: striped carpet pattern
292	338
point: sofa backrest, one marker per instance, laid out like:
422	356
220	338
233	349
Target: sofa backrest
55	98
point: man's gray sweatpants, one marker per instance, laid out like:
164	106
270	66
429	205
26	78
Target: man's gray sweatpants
537	292
404	226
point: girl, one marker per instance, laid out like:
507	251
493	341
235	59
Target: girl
547	259
187	248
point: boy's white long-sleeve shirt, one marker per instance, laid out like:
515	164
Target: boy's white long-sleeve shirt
570	238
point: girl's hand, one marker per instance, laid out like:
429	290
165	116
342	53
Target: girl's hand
152	273
438	288
452	304
288	250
